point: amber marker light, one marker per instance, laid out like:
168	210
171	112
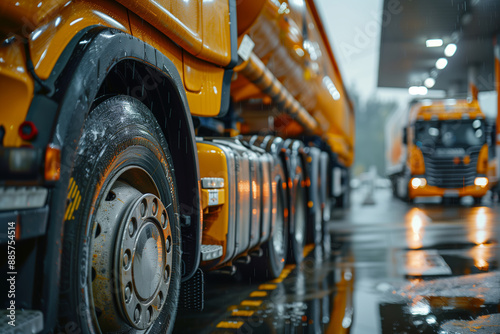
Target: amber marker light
52	163
481	182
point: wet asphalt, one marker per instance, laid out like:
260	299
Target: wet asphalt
428	267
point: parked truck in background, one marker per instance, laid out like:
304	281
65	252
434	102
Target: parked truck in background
441	148
143	143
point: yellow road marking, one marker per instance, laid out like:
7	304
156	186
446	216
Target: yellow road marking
258	294
267	286
255	303
307	249
230	324
271	285
242	313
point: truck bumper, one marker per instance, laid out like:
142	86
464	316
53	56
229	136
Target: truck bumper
430	191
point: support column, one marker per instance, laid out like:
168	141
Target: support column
497	87
472	84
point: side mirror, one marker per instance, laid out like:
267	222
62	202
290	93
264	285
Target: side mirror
405	135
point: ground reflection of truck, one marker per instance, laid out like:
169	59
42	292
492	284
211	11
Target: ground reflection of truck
441	148
120	161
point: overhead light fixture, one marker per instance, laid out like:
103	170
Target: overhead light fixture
417	90
441	63
450	50
434	43
429	82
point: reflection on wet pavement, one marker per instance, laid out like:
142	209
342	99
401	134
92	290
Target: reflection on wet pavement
394	268
315	297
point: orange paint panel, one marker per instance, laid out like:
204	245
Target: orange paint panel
446	110
149	34
203	82
182	22
23	17
179	20
216	32
341	147
416	160
213	163
16	91
47	42
247	12
305	67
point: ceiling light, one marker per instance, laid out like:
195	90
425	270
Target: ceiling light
441	63
434	43
417	90
429	82
450	50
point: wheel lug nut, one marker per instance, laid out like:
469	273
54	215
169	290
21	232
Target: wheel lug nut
128	293
137	314
131	227
125	260
153	207
143	208
160	300
163	219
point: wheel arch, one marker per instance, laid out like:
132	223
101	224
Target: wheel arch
82	74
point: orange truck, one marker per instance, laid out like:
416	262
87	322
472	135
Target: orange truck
441	148
143	143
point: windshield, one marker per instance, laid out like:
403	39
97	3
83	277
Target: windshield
455	133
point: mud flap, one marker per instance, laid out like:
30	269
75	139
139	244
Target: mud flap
192	292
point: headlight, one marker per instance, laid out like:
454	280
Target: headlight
481	181
417	182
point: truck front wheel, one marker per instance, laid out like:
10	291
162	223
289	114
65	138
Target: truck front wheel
121	251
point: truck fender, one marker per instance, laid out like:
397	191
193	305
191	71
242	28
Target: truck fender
76	79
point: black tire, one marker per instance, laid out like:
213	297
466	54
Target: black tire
478	200
297	209
121	150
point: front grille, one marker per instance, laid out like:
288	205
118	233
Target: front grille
441	171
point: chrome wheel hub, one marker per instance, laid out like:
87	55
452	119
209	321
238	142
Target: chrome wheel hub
131	259
144	261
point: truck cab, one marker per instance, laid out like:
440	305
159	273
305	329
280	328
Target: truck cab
448	151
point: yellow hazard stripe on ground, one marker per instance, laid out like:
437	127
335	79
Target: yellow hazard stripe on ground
258	294
307	249
267	287
230	324
261	292
255	303
242	313
284	274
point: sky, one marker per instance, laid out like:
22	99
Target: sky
354	28
344	21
